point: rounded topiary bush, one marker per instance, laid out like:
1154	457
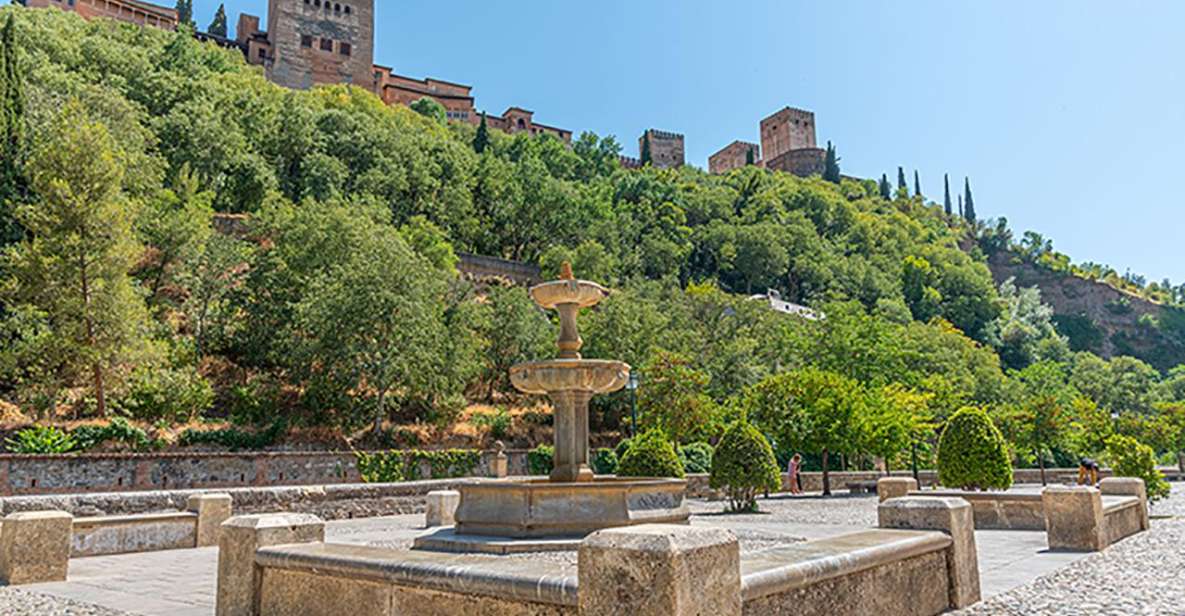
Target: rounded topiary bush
1131	458
744	465
540	460
604	462
972	454
651	454
696	458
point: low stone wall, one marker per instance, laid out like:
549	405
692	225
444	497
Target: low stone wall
1008	510
1122	520
71	474
100	536
330	502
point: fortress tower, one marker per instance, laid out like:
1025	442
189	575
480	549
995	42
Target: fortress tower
313	42
786	130
666	149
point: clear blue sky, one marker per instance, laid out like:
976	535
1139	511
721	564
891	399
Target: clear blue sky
1069	115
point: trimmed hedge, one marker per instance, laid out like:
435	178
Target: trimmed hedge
392	466
651	454
605	462
972	454
744	463
1131	458
541	460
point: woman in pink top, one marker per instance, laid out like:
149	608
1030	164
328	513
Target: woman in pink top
792	470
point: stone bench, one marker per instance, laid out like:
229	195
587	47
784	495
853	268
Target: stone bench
1006	510
921	562
1082	518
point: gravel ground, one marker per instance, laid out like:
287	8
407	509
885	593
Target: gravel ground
840	510
17	602
1144	575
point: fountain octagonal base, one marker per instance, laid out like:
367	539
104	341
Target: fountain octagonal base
532	509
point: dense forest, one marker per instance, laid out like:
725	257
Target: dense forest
338	305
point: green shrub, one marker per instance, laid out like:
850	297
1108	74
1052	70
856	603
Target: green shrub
380	466
41	440
605	462
972	454
234	439
696	458
171	394
498	422
442	463
1131	458
650	455
621	448
540	460
744	464
118	430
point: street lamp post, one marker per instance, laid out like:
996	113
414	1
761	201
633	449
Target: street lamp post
913	453
632	385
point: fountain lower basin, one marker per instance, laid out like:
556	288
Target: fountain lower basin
592	376
542	508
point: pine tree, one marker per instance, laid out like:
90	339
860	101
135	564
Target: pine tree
886	190
645	148
482	139
917	183
12	134
946	198
969	203
185	12
218	26
901	180
831	165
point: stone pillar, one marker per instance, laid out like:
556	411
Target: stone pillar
238	577
952	516
442	507
660	570
895	487
1074	518
35	547
501	461
1128	486
212	510
571	436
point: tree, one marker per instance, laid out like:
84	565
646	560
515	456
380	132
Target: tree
645	154
946	204
961	213
74	268
745	465
185	13
672	399
209	279
13	146
1040	417
886	190
749	156
917	183
972	454
1024	333
808	409
482	139
968	202
218	26
901	185
830	165
893	418
429	108
517	331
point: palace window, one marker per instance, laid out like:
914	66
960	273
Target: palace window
326	44
306	40
345	49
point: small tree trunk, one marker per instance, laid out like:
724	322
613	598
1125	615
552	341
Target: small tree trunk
100	390
1181	462
826	476
1041	465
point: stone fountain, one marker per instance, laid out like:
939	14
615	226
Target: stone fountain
572	502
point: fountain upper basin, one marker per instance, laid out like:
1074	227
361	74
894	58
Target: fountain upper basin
595	376
579	292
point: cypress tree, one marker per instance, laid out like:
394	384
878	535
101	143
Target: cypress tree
886	190
831	165
749	156
917	183
960	206
969	203
185	12
218	26
12	133
901	179
645	148
482	139
946	198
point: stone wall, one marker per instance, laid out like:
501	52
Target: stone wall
69	474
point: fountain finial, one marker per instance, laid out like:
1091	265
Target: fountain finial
566	271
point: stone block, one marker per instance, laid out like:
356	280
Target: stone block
212	510
442	507
35	547
1074	518
952	516
239	579
895	487
660	570
1128	486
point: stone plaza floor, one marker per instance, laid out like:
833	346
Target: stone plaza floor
1141	575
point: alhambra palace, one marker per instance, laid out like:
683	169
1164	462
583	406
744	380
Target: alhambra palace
315	42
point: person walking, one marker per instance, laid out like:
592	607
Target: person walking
793	469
